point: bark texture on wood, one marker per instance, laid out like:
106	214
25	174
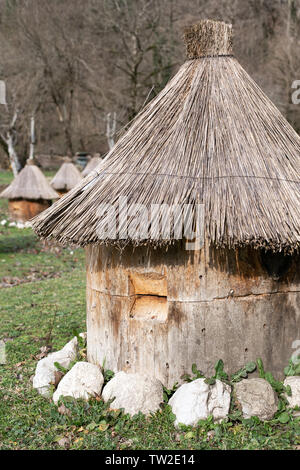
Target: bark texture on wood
158	312
23	209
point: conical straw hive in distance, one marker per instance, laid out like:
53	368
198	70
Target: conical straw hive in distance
66	178
29	193
213	143
92	164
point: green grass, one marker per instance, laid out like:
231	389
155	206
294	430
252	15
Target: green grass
44	306
6	176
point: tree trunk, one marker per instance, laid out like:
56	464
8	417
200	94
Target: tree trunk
111	122
13	157
32	138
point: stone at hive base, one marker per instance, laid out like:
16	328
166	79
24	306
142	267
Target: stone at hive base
84	381
46	372
294	400
197	400
134	393
256	398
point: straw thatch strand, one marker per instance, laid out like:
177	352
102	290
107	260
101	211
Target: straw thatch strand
66	178
92	164
210	137
30	184
208	38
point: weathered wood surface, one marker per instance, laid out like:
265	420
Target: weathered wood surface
23	209
157	312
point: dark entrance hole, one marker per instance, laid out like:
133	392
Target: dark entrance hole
276	264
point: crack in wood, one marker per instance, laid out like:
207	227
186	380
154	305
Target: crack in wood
197	301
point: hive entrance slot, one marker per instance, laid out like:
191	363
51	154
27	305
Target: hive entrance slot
276	264
149	294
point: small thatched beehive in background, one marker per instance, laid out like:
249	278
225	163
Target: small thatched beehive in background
29	193
66	178
92	164
211	138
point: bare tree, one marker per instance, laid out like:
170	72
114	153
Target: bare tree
32	138
111	125
8	138
285	62
138	50
70	63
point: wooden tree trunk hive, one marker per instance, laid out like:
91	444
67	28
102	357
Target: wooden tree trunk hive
210	138
25	209
29	193
157	312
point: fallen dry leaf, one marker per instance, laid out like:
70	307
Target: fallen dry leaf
57	377
44	352
20	364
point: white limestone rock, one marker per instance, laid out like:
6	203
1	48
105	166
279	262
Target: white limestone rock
294	400
197	400
134	393
84	380
47	374
256	398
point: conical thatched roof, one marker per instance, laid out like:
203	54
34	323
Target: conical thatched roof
67	177
92	164
210	137
30	184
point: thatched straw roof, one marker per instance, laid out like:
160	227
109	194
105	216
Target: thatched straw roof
92	164
210	137
67	177
30	184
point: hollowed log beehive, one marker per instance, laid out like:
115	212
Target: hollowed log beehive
159	312
211	137
29	194
25	209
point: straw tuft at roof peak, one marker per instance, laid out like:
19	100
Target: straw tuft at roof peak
208	39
